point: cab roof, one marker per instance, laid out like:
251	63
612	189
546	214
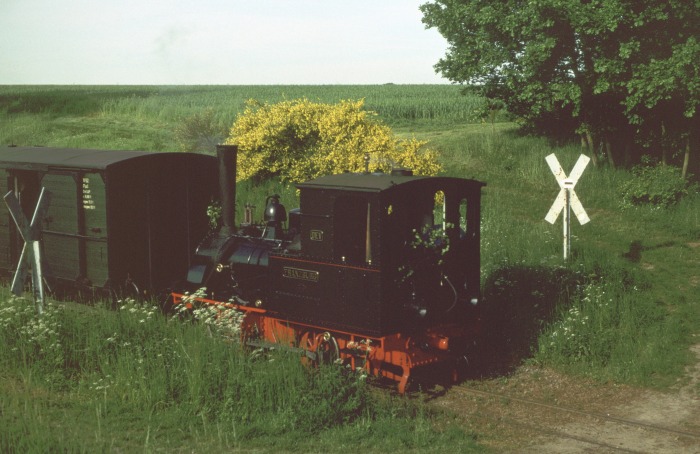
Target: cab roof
380	182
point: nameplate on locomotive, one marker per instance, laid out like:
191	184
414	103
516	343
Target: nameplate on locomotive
301	274
316	235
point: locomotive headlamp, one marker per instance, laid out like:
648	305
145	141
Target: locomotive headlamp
474	301
274	210
275	215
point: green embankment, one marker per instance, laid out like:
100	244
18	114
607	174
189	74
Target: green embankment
624	308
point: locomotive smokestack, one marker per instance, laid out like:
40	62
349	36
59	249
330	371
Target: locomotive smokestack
227	155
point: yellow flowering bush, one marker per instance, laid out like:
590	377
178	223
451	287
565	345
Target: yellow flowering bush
300	139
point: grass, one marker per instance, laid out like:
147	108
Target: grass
87	379
623	309
642	336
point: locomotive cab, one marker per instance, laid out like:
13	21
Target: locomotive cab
381	252
432	246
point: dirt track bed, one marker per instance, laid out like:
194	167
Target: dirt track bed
540	411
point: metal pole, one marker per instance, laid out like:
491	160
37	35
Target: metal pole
37	278
567	223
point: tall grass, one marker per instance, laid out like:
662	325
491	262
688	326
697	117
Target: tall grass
642	257
613	326
86	379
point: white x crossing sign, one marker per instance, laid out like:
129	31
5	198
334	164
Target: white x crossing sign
567	184
31	252
567	200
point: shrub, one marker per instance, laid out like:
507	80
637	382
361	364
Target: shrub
658	185
299	140
199	132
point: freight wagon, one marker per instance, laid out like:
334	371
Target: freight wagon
117	220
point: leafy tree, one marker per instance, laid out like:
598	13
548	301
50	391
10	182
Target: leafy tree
607	69
298	140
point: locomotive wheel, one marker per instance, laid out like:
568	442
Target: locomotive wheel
323	348
327	350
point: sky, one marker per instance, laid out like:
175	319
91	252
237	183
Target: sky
217	42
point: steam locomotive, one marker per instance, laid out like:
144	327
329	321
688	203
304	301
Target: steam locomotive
375	270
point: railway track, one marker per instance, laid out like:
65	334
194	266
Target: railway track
538	426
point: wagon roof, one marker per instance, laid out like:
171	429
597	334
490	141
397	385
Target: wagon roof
41	158
379	182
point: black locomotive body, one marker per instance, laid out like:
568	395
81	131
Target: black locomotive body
389	258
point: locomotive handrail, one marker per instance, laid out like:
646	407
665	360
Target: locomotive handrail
367	267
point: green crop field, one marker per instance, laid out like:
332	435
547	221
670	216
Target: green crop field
623	309
138	117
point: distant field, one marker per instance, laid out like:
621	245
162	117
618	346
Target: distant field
140	117
170	102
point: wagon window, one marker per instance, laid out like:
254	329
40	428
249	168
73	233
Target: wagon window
440	210
463	215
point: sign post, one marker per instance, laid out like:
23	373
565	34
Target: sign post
31	252
567	200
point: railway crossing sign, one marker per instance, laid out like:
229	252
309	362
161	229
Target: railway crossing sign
31	252
567	200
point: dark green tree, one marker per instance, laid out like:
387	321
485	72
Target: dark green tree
622	73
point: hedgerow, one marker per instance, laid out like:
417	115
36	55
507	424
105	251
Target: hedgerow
298	140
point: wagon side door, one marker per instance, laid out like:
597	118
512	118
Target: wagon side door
75	228
60	227
93	230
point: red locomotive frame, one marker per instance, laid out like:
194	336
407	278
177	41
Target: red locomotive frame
396	356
